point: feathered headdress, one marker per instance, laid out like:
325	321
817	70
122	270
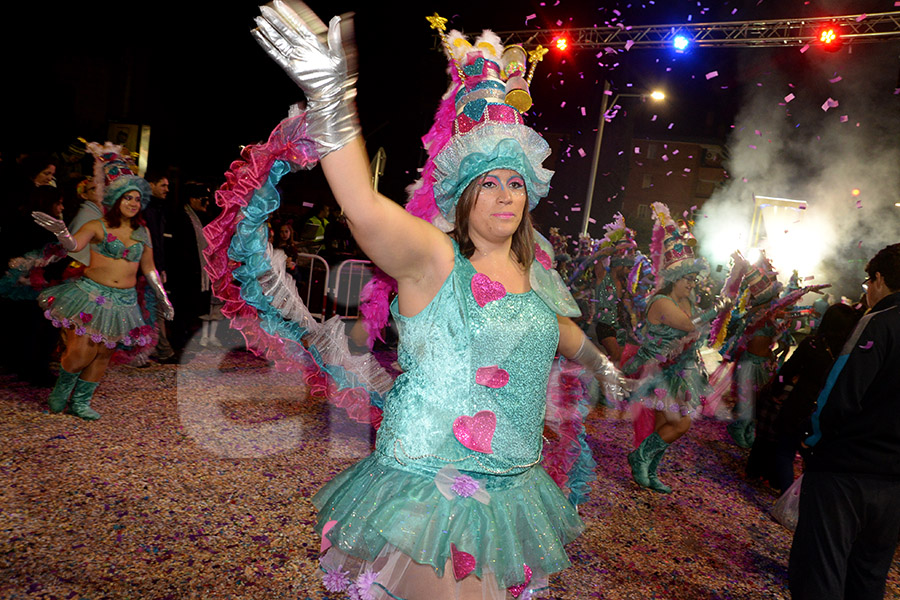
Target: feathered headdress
672	248
115	174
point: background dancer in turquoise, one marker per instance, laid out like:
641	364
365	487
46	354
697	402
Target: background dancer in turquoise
453	503
100	309
672	379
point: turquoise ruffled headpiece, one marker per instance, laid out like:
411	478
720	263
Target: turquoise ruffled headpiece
115	174
492	146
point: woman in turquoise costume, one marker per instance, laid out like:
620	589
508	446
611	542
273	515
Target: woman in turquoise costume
100	309
453	503
672	381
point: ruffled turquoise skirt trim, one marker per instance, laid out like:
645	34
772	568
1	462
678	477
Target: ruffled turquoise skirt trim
108	315
679	388
527	523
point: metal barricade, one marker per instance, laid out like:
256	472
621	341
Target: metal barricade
349	279
312	276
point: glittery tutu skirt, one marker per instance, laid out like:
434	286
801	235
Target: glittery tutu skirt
108	315
751	374
393	531
677	388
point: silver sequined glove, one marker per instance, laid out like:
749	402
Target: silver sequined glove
614	384
155	283
326	74
57	228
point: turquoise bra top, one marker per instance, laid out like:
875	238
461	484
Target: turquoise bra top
113	247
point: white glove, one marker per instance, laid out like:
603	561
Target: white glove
327	75
57	228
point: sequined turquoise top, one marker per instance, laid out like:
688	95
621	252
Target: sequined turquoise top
113	247
456	355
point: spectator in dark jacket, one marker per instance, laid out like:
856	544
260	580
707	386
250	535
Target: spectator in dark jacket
849	513
784	407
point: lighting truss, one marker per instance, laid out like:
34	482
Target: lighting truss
774	33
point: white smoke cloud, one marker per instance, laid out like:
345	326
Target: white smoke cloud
784	144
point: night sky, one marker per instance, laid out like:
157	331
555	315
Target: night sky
192	71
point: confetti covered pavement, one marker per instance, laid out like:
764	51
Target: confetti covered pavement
196	484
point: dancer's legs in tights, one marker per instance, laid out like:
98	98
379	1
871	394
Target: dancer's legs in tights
83	355
670	425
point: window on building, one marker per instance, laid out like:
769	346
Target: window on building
643	211
652	150
647	181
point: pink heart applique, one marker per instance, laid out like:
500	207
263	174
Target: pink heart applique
542	257
326	543
492	377
476	433
463	562
486	290
516	590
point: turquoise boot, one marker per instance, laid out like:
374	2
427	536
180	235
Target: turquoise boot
81	400
641	457
655	483
59	397
738	432
750	433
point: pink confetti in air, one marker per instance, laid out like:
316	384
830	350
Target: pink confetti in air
637	149
751	146
665	157
582	153
476	432
653	118
844	118
463	562
859	204
835	80
308	204
530	17
629	44
484	290
804	48
583	112
493	377
563	105
830	103
867	345
712	74
576	209
789	97
861	17
757	132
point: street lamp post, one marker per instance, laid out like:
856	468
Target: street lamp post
595	160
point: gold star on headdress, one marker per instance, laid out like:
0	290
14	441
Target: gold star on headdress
437	22
537	55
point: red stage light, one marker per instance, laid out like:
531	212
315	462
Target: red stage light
562	44
830	38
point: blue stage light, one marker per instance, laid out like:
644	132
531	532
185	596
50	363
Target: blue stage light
681	43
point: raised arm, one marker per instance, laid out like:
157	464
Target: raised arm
72	243
404	246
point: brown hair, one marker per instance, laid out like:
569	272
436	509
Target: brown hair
113	216
522	239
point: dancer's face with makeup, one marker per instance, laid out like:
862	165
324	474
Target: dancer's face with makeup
500	203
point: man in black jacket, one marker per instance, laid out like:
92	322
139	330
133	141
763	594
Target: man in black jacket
849	515
155	215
